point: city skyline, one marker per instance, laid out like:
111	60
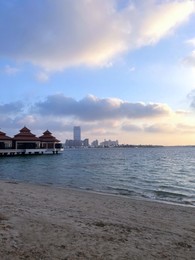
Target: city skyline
76	141
121	69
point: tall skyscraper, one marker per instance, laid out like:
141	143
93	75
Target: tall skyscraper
77	133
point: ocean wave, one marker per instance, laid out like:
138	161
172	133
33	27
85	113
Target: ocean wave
169	194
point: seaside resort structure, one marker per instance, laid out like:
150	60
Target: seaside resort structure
27	143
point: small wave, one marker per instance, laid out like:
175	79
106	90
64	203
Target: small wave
168	194
121	191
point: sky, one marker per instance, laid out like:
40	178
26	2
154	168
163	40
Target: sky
121	69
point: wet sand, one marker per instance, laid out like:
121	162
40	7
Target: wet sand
42	222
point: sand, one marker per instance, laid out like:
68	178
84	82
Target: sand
42	222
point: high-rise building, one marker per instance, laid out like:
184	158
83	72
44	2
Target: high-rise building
77	133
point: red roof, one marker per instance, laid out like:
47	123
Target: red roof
25	135
48	137
4	137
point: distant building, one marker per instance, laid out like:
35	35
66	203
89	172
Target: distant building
109	143
77	133
73	143
85	142
76	142
94	143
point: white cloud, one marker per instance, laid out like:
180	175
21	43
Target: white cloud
59	34
161	19
159	128
149	128
132	69
9	70
191	42
183	112
191	97
186	128
42	76
190	59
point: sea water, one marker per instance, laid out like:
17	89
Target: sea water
163	173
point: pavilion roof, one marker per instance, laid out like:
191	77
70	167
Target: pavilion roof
25	135
48	137
4	137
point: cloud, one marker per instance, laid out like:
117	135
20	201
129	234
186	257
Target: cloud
10	70
100	118
42	77
156	21
191	97
58	34
182	112
149	128
170	128
159	128
191	42
11	108
132	69
9	115
131	128
92	108
190	59
186	128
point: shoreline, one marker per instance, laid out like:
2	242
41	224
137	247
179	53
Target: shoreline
47	222
133	197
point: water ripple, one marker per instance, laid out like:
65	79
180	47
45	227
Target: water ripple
166	173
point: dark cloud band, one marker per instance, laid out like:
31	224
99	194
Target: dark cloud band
92	108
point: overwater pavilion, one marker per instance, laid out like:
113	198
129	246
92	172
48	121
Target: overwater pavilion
5	141
48	141
27	143
25	140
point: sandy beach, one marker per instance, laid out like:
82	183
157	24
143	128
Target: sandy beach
42	222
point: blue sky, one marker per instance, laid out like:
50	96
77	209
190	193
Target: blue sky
121	70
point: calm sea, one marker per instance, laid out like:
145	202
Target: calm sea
166	173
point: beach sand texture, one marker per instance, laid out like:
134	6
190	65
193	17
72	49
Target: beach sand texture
41	222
